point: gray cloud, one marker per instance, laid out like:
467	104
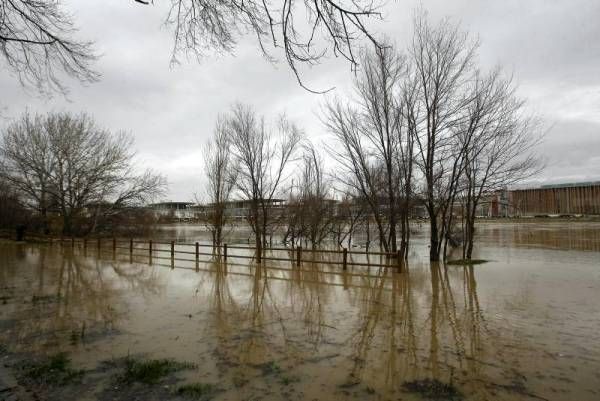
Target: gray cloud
551	47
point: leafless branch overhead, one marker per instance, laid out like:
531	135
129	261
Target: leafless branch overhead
37	44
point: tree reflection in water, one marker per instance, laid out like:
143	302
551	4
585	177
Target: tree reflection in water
64	297
365	329
402	327
406	332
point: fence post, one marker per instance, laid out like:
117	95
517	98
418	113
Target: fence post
84	243
345	258
130	246
197	252
72	242
99	244
172	254
114	245
298	255
225	252
150	250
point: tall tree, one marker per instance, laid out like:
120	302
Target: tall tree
372	139
310	211
220	173
499	138
441	58
261	159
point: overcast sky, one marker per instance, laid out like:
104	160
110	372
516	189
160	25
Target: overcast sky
552	47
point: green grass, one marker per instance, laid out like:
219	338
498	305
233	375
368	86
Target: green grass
287	380
432	389
36	299
466	262
150	371
198	391
270	368
56	370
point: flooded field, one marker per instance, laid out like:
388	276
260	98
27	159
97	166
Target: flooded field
524	326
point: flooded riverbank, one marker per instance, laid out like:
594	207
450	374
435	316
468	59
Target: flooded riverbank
525	325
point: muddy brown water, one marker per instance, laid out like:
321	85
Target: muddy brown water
524	326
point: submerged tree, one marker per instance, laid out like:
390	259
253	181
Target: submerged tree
441	58
499	138
66	162
427	127
310	211
261	158
372	142
220	173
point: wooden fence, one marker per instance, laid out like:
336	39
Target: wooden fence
296	256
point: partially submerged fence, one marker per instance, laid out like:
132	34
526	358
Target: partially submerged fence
296	255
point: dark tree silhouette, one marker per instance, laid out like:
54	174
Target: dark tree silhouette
37	44
38	37
306	30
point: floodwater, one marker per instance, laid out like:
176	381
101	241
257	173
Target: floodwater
525	326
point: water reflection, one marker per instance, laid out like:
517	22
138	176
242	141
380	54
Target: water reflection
360	333
58	296
564	235
393	327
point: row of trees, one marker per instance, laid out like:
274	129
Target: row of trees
65	163
426	126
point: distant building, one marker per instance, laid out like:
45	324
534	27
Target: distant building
240	209
495	204
561	199
177	211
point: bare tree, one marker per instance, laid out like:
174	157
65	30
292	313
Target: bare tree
373	137
310	211
220	173
27	159
12	210
37	44
261	159
441	58
352	213
69	163
305	30
499	137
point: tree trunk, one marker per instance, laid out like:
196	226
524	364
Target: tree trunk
258	241
434	241
67	222
393	238
470	237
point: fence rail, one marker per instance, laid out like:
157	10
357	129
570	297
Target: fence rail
297	254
